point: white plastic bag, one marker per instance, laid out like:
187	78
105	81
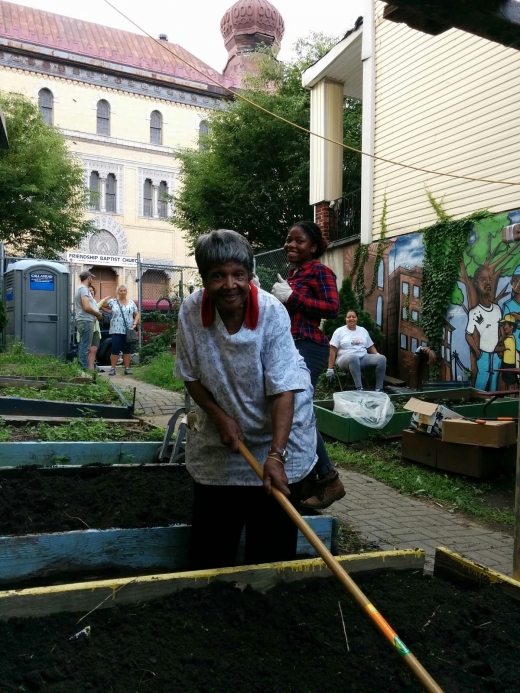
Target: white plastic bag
372	409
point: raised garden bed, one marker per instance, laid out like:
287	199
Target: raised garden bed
95	520
465	401
153	634
78	442
101	399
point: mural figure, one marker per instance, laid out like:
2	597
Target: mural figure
482	331
507	347
478	339
513	305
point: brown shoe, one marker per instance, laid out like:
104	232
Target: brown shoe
329	491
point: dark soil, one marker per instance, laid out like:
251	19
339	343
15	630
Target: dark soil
40	501
221	639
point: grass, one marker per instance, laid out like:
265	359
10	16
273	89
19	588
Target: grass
160	372
382	461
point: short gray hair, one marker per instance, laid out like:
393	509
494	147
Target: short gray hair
222	246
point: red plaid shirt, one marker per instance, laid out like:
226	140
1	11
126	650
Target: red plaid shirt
314	297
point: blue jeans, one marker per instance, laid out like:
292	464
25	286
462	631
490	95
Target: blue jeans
85	329
316	357
487	379
354	364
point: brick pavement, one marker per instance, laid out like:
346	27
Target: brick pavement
382	515
152	401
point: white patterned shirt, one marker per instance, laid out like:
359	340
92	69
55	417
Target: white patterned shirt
117	324
241	371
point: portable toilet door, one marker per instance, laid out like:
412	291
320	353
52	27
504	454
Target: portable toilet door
46	308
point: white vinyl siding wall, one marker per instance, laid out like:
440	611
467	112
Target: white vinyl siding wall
448	103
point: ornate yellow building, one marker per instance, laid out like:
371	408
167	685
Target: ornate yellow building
126	104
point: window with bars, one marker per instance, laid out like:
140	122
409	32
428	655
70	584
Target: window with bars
94	190
156	123
110	193
103	118
147	198
162	210
45	104
203	133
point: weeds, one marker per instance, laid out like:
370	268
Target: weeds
17	361
80	430
383	462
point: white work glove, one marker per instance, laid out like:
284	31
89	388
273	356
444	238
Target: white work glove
330	373
281	290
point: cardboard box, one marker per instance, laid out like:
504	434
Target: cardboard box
428	417
471	460
492	434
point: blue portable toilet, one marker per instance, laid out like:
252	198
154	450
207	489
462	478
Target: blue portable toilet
37	303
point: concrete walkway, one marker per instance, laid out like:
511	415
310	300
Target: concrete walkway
380	514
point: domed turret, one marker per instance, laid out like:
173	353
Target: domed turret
245	26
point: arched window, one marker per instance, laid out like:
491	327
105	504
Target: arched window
203	133
45	103
381	275
147	198
94	190
103	118
379	311
162	210
156	128
110	193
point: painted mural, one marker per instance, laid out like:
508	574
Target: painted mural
482	327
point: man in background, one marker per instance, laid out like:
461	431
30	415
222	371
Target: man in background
87	312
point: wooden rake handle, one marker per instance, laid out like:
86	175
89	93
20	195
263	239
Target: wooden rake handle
348	583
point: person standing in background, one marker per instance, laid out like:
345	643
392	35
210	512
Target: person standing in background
310	295
87	313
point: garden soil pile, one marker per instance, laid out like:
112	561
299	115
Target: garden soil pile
44	501
290	639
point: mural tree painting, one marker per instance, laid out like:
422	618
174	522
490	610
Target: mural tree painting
486	259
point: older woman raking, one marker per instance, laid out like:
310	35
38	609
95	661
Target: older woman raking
239	363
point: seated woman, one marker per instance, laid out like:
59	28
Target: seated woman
237	357
352	349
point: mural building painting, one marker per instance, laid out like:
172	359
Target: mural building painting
482	325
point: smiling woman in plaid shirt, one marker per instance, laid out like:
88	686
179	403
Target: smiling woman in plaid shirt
310	295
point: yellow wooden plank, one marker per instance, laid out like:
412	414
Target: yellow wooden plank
82	597
452	565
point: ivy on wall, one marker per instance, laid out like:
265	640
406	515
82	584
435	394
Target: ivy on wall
444	245
360	259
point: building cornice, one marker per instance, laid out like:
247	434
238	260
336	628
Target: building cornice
102	74
93	138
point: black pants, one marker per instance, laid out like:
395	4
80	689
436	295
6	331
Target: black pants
220	513
316	357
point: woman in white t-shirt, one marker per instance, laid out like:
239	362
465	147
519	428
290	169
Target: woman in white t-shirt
352	349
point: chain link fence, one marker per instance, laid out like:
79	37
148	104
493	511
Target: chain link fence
162	287
269	265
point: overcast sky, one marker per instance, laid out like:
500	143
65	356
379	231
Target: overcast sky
195	24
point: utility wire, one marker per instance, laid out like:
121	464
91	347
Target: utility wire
237	95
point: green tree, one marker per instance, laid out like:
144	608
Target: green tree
42	193
252	172
348	301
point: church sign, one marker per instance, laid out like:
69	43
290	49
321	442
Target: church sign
95	259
